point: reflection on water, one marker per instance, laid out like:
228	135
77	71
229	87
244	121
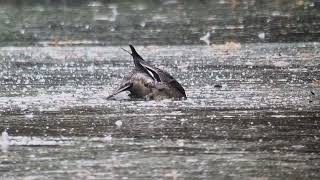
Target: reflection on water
261	123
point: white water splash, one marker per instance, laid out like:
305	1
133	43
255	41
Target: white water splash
262	35
95	4
4	141
112	18
108	137
206	38
29	116
119	123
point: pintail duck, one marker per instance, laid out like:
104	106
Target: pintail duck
148	82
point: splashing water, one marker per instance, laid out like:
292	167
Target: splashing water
4	141
206	38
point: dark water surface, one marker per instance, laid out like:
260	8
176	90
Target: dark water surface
253	106
149	22
262	123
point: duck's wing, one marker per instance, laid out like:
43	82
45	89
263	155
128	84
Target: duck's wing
156	73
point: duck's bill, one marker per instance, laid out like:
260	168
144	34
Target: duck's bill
122	88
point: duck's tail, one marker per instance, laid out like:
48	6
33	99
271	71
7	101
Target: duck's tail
134	54
142	65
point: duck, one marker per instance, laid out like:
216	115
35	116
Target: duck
148	82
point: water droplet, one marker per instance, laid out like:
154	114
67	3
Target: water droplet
29	116
206	38
22	31
118	123
262	35
108	137
4	141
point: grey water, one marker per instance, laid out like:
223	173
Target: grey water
253	106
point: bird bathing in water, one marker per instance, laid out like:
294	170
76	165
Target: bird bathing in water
147	82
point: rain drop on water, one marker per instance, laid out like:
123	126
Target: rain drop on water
4	141
118	123
206	38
